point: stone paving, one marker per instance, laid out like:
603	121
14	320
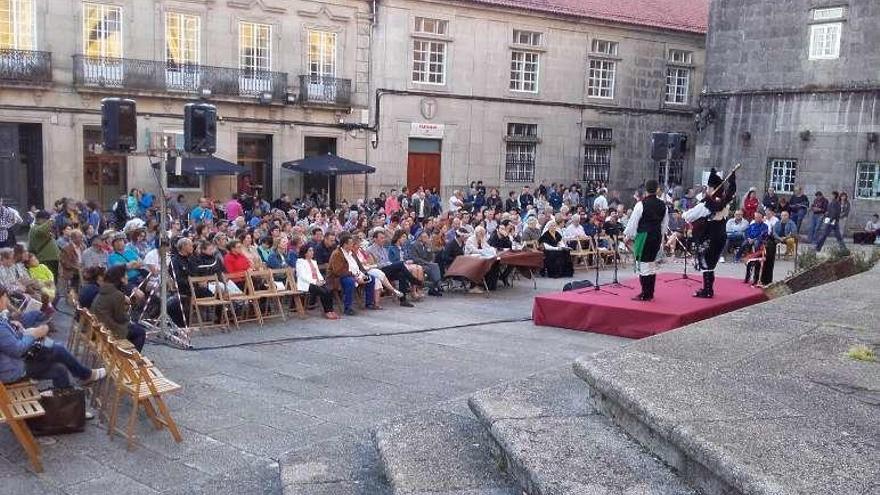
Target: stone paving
288	408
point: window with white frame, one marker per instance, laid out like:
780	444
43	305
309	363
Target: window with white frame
522	148
524	71
322	54
424	25
604	47
782	176
825	34
601	78
677	85
182	39
102	30
17	25
182	51
429	62
678	78
255	48
868	180
528	38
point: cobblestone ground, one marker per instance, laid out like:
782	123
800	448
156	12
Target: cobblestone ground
288	408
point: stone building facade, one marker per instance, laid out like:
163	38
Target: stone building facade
793	93
476	90
283	74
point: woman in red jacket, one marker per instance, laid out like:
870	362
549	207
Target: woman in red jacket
236	262
750	205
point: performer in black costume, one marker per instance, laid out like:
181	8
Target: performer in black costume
709	219
650	218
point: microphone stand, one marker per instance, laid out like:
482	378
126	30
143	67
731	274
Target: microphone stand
615	282
597	287
684	275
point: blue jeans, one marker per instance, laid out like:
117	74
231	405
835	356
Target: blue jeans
798	218
736	237
349	284
815	223
830	229
53	364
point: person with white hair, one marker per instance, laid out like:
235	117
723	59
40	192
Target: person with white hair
574	231
557	261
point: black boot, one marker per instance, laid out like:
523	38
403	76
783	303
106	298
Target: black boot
647	291
652	281
708	291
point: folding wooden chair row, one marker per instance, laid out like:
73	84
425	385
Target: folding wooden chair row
19	402
128	375
585	253
260	299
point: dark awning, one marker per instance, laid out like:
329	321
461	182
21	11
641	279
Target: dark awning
208	166
328	164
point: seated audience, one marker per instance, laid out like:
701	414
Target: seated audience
309	280
111	307
345	269
27	353
557	261
871	232
754	237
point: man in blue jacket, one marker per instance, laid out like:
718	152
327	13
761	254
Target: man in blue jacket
27	353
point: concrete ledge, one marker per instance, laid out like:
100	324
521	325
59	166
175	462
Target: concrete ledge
760	401
554	443
439	452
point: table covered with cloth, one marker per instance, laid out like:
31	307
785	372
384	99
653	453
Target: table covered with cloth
475	268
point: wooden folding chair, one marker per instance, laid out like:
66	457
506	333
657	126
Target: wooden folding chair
290	290
18	402
144	385
246	300
210	302
585	253
261	284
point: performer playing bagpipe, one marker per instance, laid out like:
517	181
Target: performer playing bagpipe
709	218
646	225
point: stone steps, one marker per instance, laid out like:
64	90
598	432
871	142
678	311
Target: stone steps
439	453
553	442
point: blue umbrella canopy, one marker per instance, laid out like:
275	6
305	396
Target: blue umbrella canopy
208	166
328	164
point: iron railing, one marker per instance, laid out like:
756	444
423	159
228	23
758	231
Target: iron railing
25	67
320	90
171	77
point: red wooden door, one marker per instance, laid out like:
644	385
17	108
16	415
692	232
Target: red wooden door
423	169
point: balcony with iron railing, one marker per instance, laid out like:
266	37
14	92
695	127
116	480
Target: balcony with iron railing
174	78
324	91
25	68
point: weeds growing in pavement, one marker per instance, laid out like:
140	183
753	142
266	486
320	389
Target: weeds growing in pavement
862	353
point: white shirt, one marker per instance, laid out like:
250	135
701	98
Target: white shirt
734	227
600	203
471	249
573	232
353	267
455	204
771	222
304	272
632	226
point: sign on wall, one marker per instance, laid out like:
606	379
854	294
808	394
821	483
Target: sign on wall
426	131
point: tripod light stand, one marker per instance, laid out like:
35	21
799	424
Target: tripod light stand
684	275
615	236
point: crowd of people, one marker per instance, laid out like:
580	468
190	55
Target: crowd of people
400	244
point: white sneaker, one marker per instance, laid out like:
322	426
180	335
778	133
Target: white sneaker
721	259
98	374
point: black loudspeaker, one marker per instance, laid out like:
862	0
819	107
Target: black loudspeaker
119	124
659	145
679	144
200	128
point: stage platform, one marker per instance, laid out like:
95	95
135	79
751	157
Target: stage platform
673	306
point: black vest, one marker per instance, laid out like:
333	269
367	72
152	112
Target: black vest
653	211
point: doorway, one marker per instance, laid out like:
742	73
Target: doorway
423	164
314	184
106	176
21	165
255	153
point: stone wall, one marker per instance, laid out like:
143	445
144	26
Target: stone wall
766	99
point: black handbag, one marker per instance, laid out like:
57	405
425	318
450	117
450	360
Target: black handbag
577	284
65	413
